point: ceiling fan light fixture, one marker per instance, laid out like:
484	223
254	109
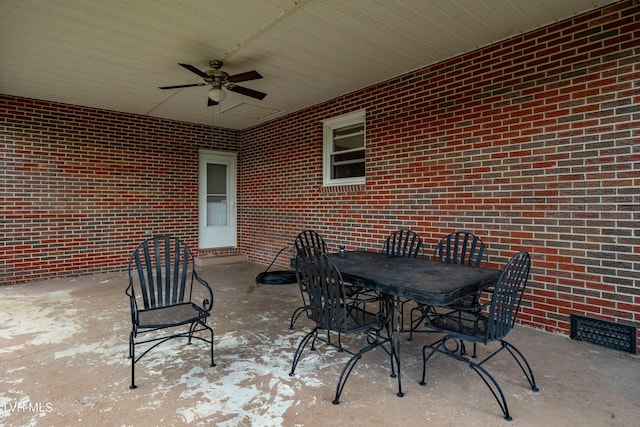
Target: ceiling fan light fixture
217	94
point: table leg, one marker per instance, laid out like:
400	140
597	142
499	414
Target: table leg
397	308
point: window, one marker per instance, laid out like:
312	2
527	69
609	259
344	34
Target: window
344	149
216	195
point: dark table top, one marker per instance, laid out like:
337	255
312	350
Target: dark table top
419	279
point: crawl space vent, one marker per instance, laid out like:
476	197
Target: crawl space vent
603	332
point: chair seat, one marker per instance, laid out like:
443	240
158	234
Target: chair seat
466	325
356	321
173	315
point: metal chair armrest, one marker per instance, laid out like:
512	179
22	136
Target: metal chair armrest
133	303
207	302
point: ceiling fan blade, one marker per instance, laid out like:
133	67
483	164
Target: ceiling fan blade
243	77
179	86
246	91
194	70
210	102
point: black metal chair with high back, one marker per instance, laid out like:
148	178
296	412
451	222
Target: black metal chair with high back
456	248
306	242
491	324
309	241
403	242
333	311
166	293
461	248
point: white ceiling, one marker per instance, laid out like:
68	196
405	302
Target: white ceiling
115	54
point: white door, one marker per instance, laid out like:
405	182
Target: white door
217	200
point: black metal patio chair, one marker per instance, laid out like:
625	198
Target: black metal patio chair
166	296
456	248
461	248
307	242
491	324
339	315
403	242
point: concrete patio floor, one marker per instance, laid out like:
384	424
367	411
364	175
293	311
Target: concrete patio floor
63	359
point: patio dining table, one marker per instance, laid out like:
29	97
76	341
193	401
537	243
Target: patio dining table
418	279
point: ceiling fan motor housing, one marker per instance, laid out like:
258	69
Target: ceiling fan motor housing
219	79
216	76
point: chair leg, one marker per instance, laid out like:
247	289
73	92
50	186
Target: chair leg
394	358
344	375
346	371
426	358
463	350
495	390
522	362
297	312
491	383
132	355
296	357
393	318
131	344
415	323
456	353
192	329
212	336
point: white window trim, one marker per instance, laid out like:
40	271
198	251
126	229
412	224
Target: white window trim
329	125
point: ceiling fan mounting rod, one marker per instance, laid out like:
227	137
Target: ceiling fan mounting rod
216	64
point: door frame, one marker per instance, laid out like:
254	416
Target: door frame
206	234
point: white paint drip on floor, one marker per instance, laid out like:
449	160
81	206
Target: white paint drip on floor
249	386
25	316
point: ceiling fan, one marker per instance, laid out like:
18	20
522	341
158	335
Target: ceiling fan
219	79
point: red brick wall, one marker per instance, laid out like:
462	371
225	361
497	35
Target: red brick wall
532	143
80	186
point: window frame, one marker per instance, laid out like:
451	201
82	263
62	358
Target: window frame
329	126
